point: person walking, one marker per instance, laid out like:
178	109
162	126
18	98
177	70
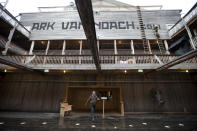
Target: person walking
92	99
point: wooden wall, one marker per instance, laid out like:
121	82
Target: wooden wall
22	91
78	97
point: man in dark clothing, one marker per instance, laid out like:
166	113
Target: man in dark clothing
92	99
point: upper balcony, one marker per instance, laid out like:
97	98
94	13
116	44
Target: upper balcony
108	62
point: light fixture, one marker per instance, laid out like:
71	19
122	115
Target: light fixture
64	71
46	70
42	42
77	124
119	42
140	70
5	70
125	71
187	71
44	123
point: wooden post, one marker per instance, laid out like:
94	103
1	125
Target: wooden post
133	51
103	109
80	51
166	46
189	34
115	51
132	47
4	7
46	51
9	39
31	48
149	47
64	47
98	45
121	103
63	51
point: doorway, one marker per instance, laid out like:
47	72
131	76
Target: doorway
77	97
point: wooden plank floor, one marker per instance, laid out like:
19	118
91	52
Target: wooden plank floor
51	122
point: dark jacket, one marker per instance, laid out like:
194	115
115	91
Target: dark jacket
92	99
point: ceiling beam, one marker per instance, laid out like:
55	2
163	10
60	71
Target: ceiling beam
84	8
9	62
176	61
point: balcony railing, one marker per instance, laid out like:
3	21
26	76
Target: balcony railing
187	18
126	61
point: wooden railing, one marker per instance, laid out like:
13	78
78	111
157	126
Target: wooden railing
187	18
88	59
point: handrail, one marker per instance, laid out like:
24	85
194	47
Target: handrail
183	16
100	55
6	11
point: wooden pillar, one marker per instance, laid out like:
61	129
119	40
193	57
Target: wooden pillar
115	47
80	50
103	116
9	39
115	50
63	51
166	47
149	47
64	48
189	34
31	48
4	7
46	51
98	45
133	51
121	103
132	47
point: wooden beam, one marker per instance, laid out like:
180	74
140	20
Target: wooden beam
176	61
98	45
115	48
84	8
149	47
132	48
9	39
32	47
166	46
9	62
189	34
64	47
47	49
80	48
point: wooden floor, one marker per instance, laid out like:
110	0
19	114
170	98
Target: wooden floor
51	122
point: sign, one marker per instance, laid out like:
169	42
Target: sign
109	24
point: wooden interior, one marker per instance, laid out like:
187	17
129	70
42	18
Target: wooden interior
33	92
77	97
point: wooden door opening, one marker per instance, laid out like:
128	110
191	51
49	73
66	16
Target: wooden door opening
77	97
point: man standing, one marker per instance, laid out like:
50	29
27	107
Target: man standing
92	99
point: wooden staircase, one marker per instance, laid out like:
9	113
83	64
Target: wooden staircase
143	35
161	46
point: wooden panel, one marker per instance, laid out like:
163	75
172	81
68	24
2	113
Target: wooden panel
79	96
32	96
43	93
109	25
